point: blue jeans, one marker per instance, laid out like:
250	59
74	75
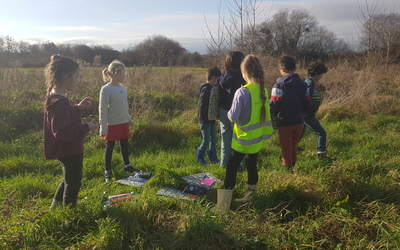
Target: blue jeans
209	134
226	127
311	122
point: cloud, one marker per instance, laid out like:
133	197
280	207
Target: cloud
75	29
174	17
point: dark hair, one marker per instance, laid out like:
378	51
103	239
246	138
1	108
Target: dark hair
316	68
213	71
253	71
233	60
287	62
58	67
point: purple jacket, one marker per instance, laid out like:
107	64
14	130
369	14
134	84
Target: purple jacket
63	129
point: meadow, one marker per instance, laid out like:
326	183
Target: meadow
352	203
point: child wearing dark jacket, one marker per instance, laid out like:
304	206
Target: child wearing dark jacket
315	72
207	126
289	100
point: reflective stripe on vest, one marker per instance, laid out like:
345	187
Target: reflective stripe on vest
251	137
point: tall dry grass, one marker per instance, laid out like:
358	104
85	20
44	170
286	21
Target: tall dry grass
352	89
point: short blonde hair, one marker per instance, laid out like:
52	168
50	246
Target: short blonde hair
114	67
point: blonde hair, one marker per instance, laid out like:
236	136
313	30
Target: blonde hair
253	72
114	67
58	67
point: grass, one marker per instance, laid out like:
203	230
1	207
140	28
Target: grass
352	203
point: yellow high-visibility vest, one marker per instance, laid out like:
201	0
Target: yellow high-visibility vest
251	137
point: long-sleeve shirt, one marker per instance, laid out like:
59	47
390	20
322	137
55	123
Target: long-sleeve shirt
241	107
113	107
62	127
290	98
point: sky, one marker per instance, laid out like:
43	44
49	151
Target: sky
125	23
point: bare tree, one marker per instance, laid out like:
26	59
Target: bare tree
319	40
216	39
10	45
236	30
286	29
383	36
367	11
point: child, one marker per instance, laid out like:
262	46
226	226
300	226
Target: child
290	98
63	129
252	128
114	116
228	83
315	72
207	127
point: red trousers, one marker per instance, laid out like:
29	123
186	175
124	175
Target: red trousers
289	137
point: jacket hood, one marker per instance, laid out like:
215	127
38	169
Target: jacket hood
229	74
54	101
289	80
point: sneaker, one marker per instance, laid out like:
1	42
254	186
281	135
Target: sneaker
138	174
107	176
129	168
324	157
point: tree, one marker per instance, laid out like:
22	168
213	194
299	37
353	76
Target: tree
288	28
237	30
106	53
84	52
320	41
10	45
382	34
158	51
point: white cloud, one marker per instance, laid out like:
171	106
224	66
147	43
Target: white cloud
74	29
174	17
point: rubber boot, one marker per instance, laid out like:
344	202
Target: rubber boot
212	155
224	199
200	156
250	192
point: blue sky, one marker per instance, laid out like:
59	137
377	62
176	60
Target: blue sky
124	23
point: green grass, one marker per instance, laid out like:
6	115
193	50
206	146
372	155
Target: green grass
352	203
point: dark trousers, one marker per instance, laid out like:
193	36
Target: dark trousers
233	164
67	191
109	151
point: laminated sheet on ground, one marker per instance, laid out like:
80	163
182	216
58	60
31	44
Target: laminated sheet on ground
172	192
133	181
205	179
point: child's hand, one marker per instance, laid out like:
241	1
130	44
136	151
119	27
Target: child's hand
93	126
85	103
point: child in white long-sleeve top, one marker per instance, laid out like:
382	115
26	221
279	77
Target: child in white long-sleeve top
114	115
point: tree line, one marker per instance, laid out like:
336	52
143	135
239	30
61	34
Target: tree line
295	32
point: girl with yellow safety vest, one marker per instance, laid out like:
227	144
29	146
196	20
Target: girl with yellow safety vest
252	128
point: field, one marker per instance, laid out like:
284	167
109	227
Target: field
352	203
